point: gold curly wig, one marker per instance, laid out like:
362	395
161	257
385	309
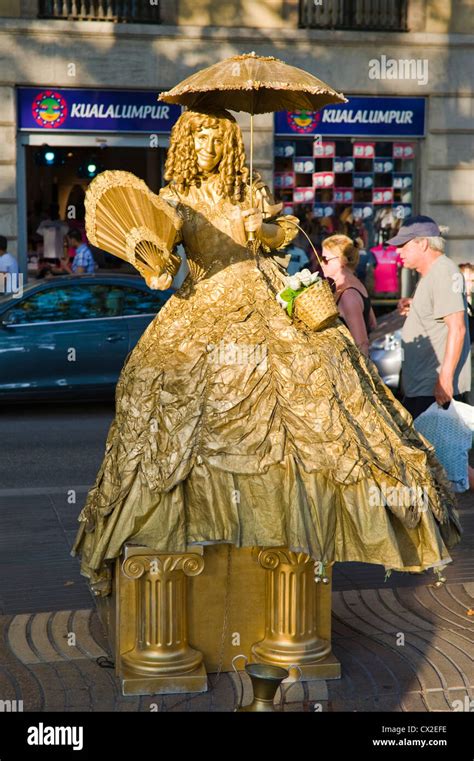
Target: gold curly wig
181	163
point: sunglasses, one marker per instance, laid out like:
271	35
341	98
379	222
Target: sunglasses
327	259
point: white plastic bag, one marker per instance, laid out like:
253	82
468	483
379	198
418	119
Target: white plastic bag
465	412
451	439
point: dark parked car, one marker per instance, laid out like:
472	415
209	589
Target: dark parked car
69	336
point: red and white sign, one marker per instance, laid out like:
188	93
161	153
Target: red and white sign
323	179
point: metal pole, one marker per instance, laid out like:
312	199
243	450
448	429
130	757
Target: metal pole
251	159
22	236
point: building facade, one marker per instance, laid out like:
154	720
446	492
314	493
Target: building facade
56	55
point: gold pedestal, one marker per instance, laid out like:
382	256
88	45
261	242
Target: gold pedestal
223	602
160	660
292	600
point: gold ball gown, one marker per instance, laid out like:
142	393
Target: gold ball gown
236	424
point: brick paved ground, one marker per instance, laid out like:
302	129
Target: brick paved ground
43	598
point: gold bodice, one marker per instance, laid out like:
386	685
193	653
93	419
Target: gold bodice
213	232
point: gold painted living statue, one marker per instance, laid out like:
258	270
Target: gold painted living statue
236	424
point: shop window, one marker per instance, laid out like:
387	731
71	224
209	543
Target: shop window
130	11
362	188
373	180
355	15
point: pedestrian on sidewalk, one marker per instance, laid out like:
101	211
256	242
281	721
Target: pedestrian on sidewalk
436	362
83	261
53	229
340	258
436	365
8	269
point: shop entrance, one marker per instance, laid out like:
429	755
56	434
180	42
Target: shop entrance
55	175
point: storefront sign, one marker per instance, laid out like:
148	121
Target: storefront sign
70	110
368	116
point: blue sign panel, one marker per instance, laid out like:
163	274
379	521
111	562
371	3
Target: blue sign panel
49	109
360	117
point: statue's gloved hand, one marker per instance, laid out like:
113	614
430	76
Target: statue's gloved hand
262	190
159	282
253	220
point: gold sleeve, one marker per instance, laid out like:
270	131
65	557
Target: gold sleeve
264	200
278	253
288	224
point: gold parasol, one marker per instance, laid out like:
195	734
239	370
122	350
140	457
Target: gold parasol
255	84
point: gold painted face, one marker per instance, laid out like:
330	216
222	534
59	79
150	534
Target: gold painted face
209	146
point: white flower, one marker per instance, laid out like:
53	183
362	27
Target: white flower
305	277
314	277
281	301
293	282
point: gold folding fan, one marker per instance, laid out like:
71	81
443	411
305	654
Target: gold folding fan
125	218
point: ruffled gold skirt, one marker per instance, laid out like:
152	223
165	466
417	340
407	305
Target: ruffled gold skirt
233	424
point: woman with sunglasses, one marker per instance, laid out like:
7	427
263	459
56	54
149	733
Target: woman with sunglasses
340	257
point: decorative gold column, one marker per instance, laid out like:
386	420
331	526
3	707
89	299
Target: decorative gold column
291	607
165	607
161	659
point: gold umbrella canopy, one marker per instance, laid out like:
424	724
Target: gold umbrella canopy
252	83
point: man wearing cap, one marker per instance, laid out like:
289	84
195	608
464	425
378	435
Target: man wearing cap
435	338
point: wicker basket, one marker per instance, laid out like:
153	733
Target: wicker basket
316	306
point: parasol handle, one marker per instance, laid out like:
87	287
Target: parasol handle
251	235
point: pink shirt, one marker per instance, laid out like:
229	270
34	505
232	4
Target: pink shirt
386	271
